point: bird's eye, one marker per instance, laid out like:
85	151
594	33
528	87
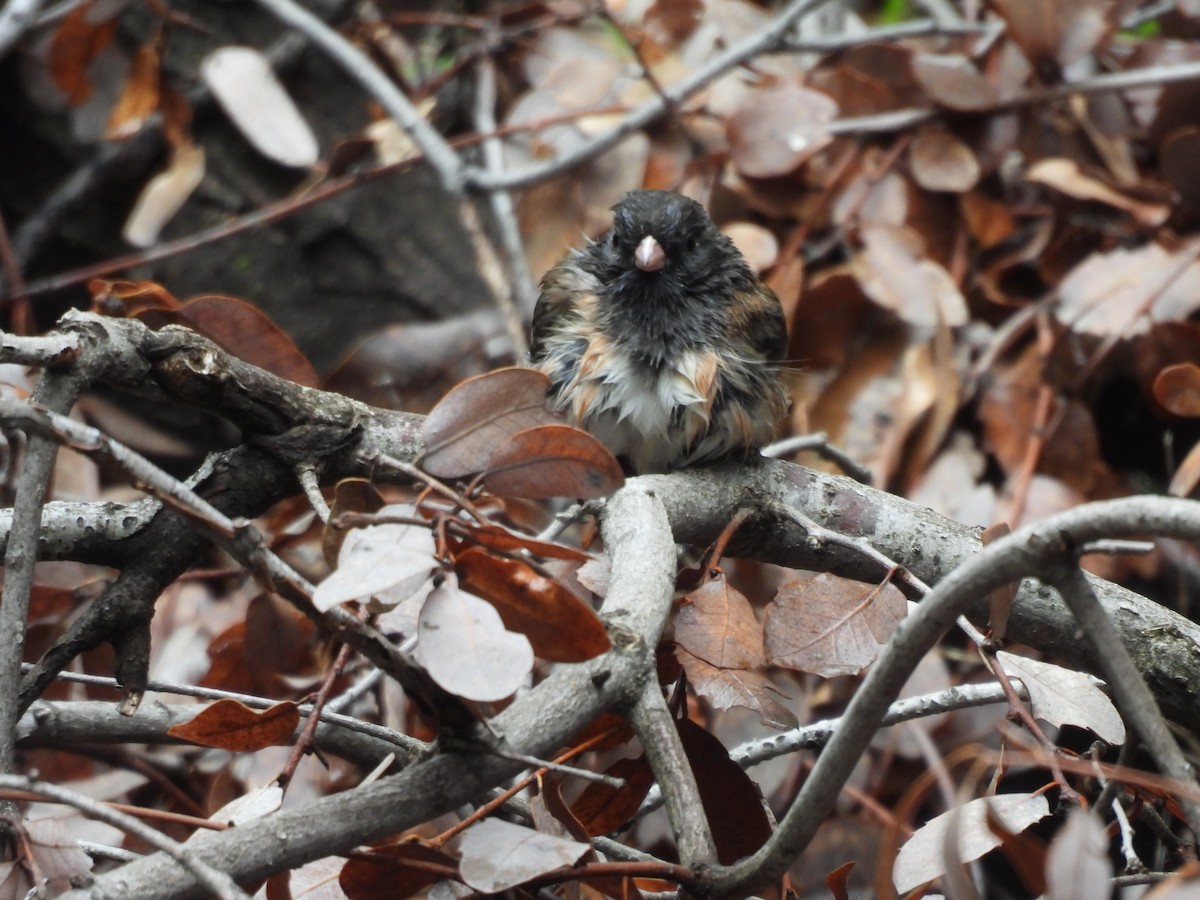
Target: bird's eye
693	242
614	240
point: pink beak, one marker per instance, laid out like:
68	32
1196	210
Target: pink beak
649	255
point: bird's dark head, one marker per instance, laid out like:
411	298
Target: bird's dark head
662	237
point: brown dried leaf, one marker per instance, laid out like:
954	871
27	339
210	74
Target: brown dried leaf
831	626
466	649
1062	32
553	461
395	871
559	625
1065	175
730	799
1177	389
249	334
896	273
777	129
479	415
76	43
390	557
951	80
497	855
1122	291
496	537
139	99
602	809
758	245
726	688
941	161
56	853
228	725
717	625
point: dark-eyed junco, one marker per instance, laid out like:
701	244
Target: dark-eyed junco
660	340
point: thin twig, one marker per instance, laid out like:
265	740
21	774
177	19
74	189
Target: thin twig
213	879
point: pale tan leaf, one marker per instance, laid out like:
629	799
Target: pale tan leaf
499	855
242	80
1063	696
164	196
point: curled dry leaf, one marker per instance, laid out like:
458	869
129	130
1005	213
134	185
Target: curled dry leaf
475	417
498	855
242	80
895	272
923	859
140	97
1187	476
164	195
553	461
465	648
1065	175
558	624
831	626
1062	32
391	557
1177	389
777	129
1065	697
229	725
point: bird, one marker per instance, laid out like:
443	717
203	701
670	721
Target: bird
660	340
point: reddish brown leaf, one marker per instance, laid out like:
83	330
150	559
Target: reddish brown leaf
130	297
831	626
77	42
718	625
602	809
249	334
838	881
229	725
140	97
779	128
559	625
726	688
395	871
494	537
731	801
553	461
479	415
